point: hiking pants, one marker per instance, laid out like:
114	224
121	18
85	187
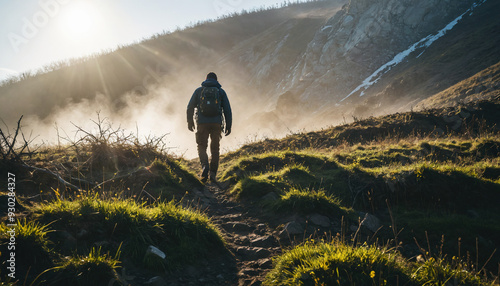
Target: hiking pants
214	131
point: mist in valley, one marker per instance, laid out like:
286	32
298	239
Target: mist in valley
160	111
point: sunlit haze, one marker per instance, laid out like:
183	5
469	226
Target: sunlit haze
37	33
79	22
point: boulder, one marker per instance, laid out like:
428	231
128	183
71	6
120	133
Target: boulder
371	222
292	228
320	220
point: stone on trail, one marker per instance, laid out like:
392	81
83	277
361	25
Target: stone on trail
320	220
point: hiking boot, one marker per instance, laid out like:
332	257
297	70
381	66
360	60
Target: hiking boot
204	175
213	177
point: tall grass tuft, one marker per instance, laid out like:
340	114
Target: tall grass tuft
437	271
32	246
336	263
92	269
308	201
183	234
252	188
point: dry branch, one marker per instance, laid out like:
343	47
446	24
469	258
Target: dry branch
8	148
57	176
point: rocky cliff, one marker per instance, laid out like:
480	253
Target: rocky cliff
361	38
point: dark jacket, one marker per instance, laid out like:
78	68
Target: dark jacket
195	100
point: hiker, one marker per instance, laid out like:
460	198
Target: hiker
212	109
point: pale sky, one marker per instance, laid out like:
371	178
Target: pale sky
34	33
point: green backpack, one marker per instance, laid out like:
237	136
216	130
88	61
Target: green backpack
210	102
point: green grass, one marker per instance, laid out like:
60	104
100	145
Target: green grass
32	247
441	272
255	176
184	234
252	188
449	151
435	187
274	161
92	269
297	175
454	174
119	226
170	178
308	201
335	263
338	264
451	174
68	229
296	179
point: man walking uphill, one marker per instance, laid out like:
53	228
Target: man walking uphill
212	109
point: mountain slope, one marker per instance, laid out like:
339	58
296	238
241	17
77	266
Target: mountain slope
268	56
470	47
484	85
326	81
365	35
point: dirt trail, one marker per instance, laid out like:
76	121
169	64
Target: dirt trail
250	242
249	239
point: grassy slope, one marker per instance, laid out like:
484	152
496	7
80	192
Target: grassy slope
124	197
441	180
482	86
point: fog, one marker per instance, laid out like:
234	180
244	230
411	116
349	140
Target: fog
161	111
158	107
145	88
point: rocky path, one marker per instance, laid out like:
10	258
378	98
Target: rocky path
251	243
250	240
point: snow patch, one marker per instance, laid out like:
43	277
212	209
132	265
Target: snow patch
422	44
326	27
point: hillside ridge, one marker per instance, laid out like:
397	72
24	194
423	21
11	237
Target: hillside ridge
428	122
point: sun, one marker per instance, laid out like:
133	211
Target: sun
78	20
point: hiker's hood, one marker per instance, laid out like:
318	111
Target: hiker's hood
211	83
